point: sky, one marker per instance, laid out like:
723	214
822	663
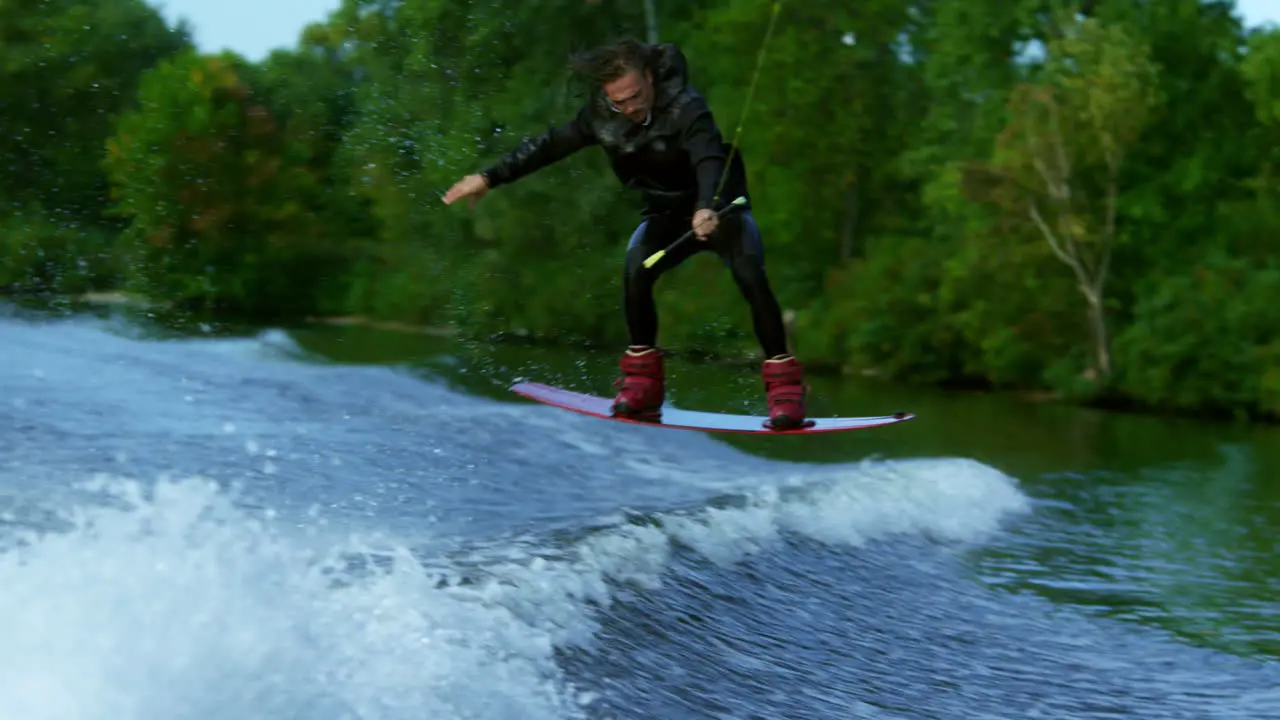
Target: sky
1259	12
255	27
252	28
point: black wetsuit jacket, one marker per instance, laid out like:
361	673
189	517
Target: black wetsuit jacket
676	159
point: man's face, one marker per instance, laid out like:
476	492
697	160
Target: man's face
631	95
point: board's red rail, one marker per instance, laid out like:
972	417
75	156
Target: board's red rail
597	406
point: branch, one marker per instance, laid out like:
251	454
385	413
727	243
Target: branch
1061	145
1113	192
1058	186
1071	261
1054	188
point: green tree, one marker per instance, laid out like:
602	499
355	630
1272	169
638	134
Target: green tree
1187	177
1261	70
1059	161
923	173
1204	341
66	68
220	203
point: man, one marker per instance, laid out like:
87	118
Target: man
661	138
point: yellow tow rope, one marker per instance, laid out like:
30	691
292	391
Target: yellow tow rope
737	133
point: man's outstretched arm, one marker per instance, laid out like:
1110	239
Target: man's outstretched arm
538	152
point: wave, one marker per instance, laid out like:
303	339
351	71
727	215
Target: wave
171	600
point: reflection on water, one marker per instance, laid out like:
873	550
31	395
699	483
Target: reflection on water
1188	547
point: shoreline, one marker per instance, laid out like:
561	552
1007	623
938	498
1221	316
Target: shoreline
389	325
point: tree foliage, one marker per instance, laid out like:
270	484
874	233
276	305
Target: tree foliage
1058	163
221	198
1040	194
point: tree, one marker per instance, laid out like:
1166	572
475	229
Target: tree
66	67
826	65
222	206
1058	162
1261	68
1261	71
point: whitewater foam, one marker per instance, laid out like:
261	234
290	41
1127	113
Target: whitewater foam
950	501
179	605
945	500
171	601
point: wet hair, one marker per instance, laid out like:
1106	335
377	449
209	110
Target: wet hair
602	65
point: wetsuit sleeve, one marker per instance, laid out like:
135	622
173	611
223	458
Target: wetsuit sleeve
538	152
706	150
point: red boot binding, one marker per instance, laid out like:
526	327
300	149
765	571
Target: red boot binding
642	383
784	387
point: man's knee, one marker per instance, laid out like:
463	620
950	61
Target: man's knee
632	262
638	279
752	243
637	236
633	257
742	249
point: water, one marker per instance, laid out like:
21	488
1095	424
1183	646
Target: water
243	523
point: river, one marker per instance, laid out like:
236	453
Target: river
338	522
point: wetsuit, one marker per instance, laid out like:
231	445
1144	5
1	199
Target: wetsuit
676	159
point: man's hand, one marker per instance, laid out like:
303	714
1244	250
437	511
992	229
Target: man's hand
704	223
472	186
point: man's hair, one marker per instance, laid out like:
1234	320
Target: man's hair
601	66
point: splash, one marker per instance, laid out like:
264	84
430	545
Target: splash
174	603
946	500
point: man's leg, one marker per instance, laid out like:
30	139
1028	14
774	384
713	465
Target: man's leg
637	286
739	244
642	384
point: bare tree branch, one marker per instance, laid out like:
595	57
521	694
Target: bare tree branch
1060	144
1113	193
1054	243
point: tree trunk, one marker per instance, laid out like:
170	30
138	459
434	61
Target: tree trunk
1098	329
1067	248
650	22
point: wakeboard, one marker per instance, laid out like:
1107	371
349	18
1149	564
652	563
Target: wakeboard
700	420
